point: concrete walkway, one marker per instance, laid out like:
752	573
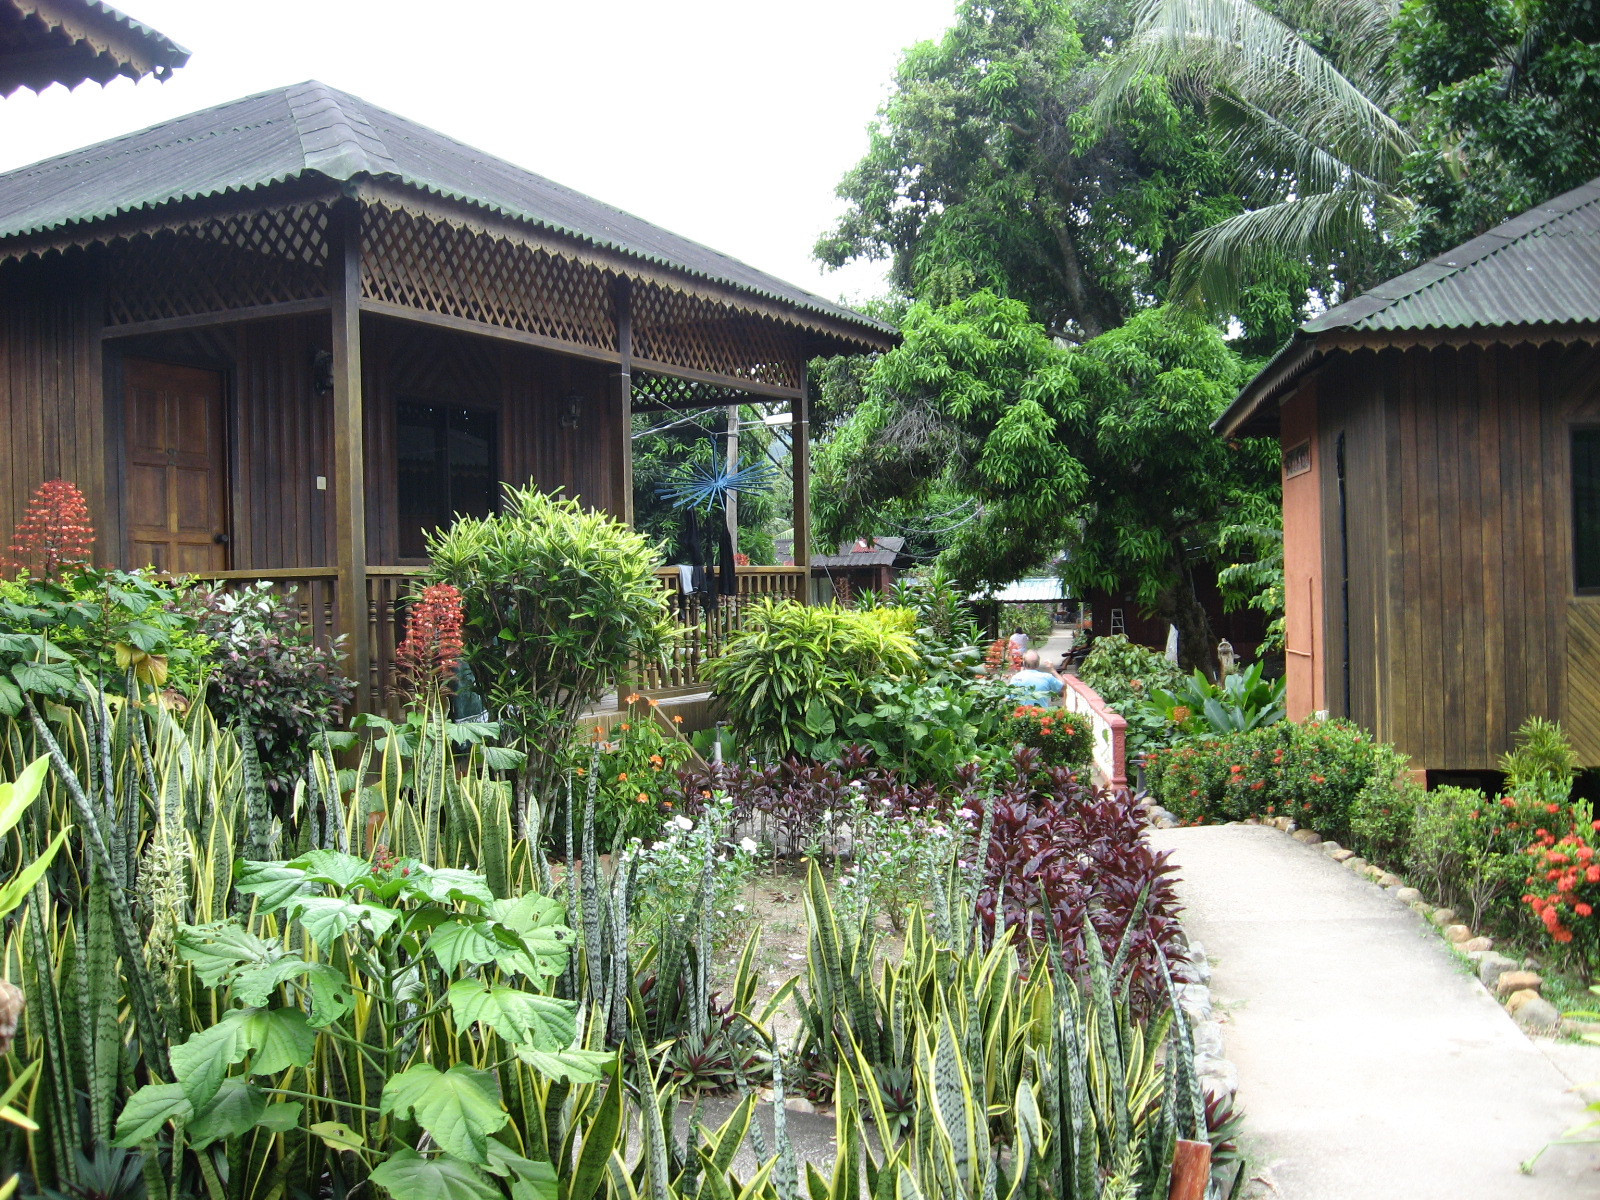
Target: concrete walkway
1371	1063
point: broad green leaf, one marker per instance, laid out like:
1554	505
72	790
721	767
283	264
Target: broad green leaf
408	1176
17	795
275	882
236	1107
147	1110
465	939
331	997
537	921
280	1118
542	1022
338	1136
275	1039
459	1107
17	888
217	950
531	1179
574	1066
332	866
328	918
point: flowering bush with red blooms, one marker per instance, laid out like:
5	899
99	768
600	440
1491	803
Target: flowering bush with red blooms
1066	853
1061	737
1312	772
54	533
426	661
1564	883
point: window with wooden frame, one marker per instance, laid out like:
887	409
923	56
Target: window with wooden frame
1586	510
447	460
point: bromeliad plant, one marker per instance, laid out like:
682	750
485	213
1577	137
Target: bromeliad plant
364	1005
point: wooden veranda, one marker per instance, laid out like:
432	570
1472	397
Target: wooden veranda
284	371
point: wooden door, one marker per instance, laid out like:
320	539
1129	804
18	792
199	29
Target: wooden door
176	472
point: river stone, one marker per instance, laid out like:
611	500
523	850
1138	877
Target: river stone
1518	981
1457	933
1492	966
1342	855
1477	945
1408	895
1443	916
1537	1015
1306	837
1330	848
1356	863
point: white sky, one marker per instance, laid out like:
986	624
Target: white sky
727	121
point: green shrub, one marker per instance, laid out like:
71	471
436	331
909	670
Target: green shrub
1035	620
1312	772
1125	674
1470	851
792	677
270	677
1383	815
636	764
561	602
924	729
1062	737
1240	702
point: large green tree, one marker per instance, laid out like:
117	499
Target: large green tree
987	171
1105	450
1507	95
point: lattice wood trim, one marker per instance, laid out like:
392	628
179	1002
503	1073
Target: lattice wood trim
236	261
439	267
701	335
666	391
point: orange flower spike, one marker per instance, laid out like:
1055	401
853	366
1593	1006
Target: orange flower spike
622	777
677	720
624	727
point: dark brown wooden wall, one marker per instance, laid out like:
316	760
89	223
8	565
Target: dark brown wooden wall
49	390
1457	511
281	431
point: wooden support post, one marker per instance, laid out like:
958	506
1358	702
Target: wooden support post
623	463
1191	1171
349	457
800	453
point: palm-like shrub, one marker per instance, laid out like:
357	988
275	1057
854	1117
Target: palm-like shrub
560	603
792	676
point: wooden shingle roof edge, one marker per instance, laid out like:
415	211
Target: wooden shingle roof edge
293	137
101	43
1532	279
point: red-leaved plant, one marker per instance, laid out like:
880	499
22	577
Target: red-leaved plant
54	533
425	662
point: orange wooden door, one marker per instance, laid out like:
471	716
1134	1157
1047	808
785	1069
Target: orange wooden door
177	489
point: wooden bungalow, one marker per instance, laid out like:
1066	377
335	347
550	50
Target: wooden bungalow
72	41
282	337
866	564
1441	480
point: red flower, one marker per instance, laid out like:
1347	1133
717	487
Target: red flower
427	659
1582	909
54	532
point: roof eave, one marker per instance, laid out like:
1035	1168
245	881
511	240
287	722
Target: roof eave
1255	410
112	43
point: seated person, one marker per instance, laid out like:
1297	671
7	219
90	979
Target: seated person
1034	678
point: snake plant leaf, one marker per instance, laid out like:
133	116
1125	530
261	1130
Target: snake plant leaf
236	1108
328	918
407	1175
334	867
459	1107
147	1110
600	1138
525	1018
275	883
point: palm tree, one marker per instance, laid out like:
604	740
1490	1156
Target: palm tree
1302	97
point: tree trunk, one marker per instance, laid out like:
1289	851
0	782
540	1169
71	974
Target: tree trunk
1196	640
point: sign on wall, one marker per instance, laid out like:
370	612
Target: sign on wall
1297	460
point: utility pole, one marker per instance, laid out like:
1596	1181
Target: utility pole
731	505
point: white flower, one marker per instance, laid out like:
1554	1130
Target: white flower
748	845
683	822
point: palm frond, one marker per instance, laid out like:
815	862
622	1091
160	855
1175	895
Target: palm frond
1219	259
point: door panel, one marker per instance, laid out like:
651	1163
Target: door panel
176	468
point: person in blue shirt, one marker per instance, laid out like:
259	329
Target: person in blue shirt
1034	678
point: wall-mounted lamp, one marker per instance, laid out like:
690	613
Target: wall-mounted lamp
571	406
322	372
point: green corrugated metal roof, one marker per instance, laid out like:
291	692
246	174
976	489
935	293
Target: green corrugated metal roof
311	130
1541	268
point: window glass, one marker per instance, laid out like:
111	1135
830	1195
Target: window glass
1586	507
447	461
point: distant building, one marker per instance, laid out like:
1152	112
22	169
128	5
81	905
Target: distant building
866	563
